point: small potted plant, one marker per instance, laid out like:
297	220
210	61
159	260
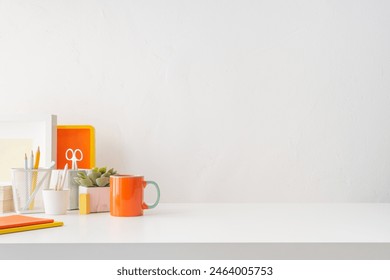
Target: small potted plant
96	183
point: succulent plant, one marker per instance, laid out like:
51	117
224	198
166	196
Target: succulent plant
98	177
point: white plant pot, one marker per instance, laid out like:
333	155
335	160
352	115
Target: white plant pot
99	198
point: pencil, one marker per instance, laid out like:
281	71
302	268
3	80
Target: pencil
30	173
26	175
37	157
35	176
32	160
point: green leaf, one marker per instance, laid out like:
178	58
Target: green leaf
81	175
86	182
111	171
103	170
103	181
93	176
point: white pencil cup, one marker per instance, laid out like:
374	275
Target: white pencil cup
27	186
55	202
69	184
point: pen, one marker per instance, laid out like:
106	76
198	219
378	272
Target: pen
58	181
63	179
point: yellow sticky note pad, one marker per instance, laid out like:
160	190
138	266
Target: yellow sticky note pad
84	204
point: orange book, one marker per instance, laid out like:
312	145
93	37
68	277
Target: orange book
21	221
76	137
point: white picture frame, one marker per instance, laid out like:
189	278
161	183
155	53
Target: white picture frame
19	134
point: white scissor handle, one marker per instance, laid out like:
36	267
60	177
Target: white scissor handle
74	157
71	152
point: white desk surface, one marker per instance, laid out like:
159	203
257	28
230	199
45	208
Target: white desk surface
221	223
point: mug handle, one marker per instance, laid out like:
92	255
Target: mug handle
147	206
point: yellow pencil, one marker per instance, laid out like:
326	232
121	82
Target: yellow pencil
35	176
32	227
37	156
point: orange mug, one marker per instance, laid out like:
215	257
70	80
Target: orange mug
127	195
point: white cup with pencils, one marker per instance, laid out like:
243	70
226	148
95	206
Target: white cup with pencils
56	199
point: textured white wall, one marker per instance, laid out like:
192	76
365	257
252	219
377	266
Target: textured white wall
218	101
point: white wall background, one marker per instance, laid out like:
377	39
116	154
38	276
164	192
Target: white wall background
218	101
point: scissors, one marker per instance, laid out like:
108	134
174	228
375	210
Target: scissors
74	158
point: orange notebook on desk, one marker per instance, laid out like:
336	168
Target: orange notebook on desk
17	223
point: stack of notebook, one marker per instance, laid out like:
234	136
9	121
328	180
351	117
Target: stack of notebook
17	223
6	201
